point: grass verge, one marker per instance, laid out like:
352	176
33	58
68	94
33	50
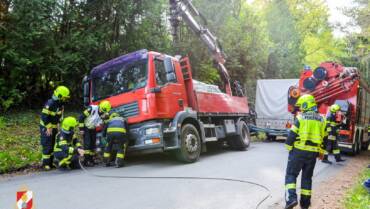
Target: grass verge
358	197
19	143
20	140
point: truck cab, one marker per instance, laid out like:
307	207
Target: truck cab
142	86
155	93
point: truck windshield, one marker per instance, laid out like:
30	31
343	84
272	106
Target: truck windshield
119	79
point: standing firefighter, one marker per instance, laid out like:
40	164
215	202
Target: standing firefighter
92	117
331	143
50	119
304	144
67	147
115	131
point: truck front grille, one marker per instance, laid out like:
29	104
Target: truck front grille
130	109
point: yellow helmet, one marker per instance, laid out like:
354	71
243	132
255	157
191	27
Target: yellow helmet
105	106
334	108
69	123
62	93
306	102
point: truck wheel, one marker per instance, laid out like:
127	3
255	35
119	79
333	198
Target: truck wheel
365	146
354	148
243	139
190	144
359	144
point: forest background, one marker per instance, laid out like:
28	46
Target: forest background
44	42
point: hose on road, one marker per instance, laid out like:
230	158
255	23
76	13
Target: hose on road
183	178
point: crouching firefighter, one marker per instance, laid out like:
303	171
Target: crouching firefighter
331	143
67	148
91	118
51	115
115	131
304	143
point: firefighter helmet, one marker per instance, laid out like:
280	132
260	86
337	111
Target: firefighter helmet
334	108
105	106
69	123
306	102
62	93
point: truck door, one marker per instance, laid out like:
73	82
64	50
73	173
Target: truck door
170	98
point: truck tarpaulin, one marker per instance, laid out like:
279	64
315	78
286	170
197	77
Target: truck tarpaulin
271	102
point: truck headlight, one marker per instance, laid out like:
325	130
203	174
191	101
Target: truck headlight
150	131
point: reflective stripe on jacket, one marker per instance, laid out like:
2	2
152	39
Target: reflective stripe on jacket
116	125
308	132
66	142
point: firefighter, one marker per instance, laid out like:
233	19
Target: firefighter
115	131
304	143
67	148
331	143
50	118
92	117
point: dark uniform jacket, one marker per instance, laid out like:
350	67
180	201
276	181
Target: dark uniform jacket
116	125
332	125
67	143
51	113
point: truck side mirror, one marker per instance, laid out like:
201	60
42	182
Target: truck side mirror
170	70
155	90
171	77
168	65
86	90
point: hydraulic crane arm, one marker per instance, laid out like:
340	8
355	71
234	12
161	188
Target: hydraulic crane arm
185	10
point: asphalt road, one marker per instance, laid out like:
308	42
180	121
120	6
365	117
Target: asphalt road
263	163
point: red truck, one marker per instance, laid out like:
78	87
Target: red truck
332	83
164	108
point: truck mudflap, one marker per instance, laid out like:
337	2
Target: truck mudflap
172	133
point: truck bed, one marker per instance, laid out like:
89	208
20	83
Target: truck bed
220	103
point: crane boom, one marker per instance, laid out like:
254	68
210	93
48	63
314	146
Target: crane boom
185	10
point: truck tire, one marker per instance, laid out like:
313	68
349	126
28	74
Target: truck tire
365	146
359	145
190	147
243	139
354	148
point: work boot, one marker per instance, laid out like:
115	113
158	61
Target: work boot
88	161
325	160
291	204
120	163
340	160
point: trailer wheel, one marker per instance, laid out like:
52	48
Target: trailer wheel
243	139
353	150
365	146
359	144
190	144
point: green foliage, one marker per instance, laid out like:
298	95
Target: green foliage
357	51
20	139
285	56
358	196
19	144
59	41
